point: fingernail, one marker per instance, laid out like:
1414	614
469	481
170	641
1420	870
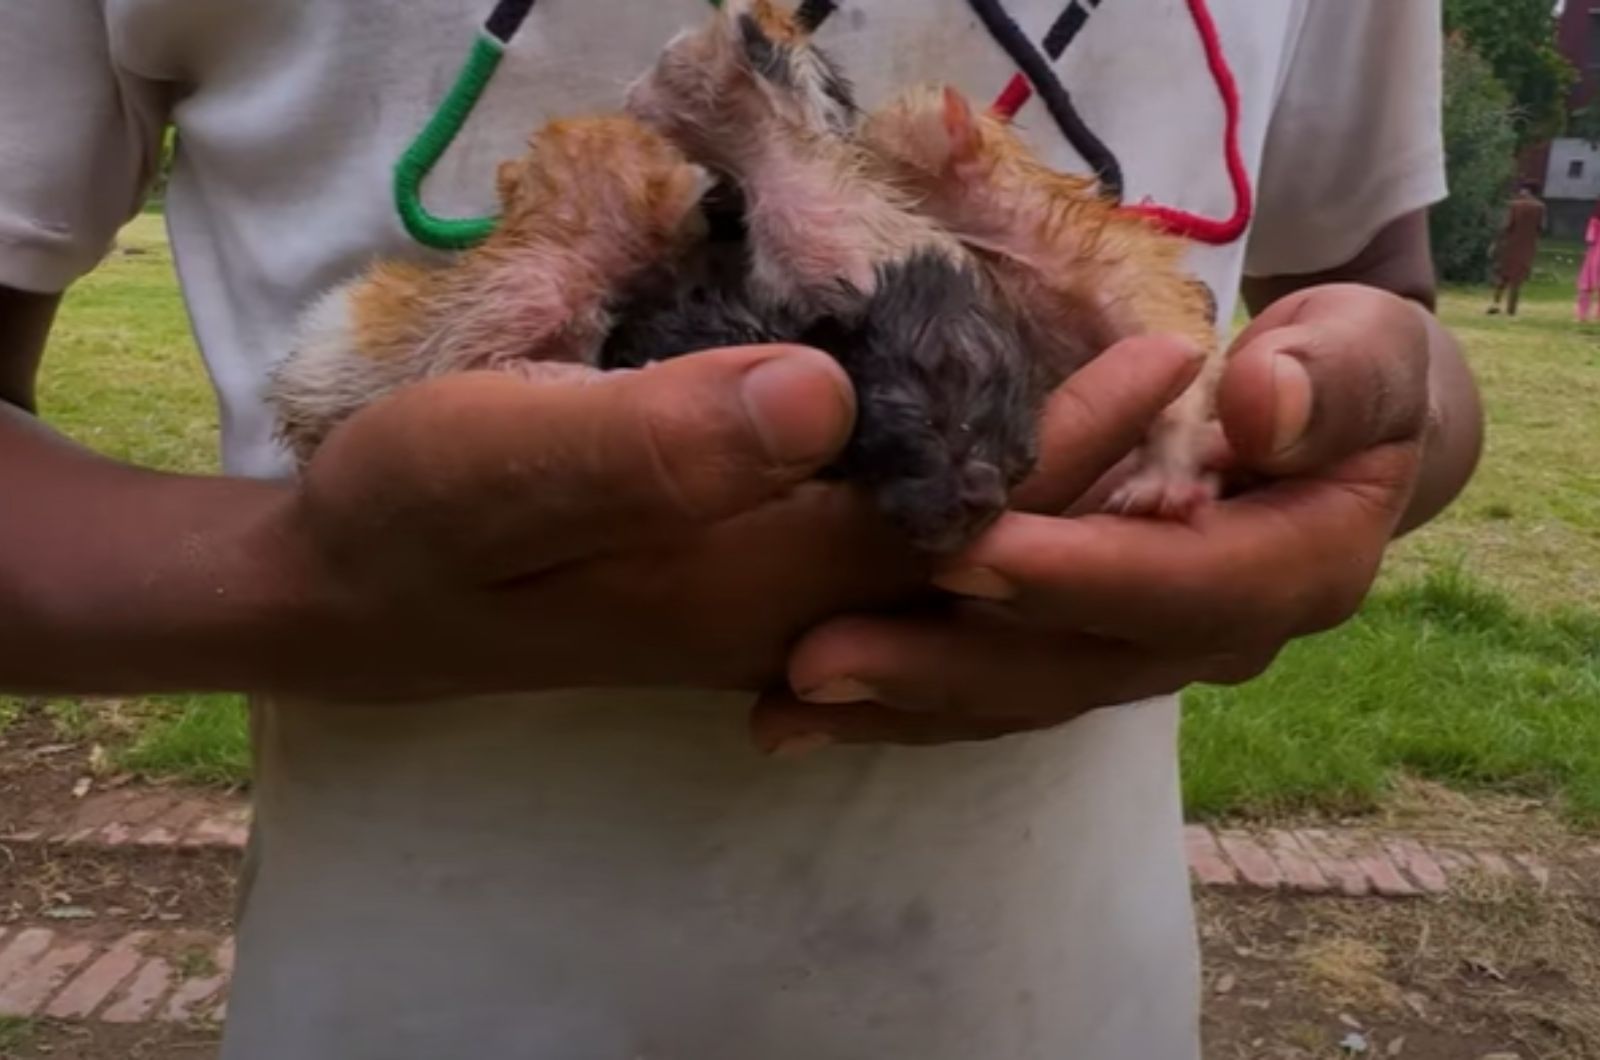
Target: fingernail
1291	395
801	406
1192	350
842	690
979	582
799	746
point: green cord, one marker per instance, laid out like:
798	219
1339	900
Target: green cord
426	150
430	145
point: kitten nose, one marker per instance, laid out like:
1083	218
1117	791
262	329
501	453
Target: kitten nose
982	487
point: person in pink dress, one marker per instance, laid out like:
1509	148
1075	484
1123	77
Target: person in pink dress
1589	275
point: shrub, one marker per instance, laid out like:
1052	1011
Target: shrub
1480	140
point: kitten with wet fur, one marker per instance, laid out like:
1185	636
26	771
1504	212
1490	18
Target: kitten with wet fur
840	259
590	205
1080	274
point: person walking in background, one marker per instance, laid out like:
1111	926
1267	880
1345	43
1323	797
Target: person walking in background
1589	275
1519	241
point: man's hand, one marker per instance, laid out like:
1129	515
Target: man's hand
649	527
477	533
1326	408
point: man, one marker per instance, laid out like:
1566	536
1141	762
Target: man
1516	248
495	817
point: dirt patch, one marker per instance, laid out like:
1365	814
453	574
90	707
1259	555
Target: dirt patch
39	768
1509	822
1497	970
100	894
50	1040
58	781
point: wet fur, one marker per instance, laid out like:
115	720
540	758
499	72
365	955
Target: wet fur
1080	274
590	205
839	258
948	419
603	257
947	411
666	318
818	221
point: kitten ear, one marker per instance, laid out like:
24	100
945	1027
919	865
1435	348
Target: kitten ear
960	125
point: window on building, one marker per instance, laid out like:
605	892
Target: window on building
1575	169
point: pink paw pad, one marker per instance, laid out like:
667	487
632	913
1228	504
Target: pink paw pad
1162	494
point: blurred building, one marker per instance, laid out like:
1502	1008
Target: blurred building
1568	169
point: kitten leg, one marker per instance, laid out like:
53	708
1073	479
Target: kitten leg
1170	479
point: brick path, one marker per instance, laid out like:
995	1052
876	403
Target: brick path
130	817
1349	862
51	971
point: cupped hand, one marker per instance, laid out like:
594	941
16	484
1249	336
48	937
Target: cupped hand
492	532
1324	405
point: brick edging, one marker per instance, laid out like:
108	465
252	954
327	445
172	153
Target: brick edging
1345	862
159	818
1341	861
51	973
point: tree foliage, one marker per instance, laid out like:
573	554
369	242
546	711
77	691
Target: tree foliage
1585	124
1518	39
1480	140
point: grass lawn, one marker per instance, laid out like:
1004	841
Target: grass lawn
1476	663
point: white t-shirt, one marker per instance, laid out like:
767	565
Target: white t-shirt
619	876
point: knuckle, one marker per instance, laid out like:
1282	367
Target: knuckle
1241	666
1073	416
684	459
665	469
1334	605
1382	366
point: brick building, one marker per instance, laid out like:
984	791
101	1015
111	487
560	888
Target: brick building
1568	169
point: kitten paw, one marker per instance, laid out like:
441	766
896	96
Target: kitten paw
1163	493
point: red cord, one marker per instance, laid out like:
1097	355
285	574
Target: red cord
1169	219
1013	99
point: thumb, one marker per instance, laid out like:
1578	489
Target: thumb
511	474
1310	393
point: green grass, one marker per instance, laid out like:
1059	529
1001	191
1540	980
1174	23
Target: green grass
1474	664
15	1033
122	376
1529	524
205	739
1439	678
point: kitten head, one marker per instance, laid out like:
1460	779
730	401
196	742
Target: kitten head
714	88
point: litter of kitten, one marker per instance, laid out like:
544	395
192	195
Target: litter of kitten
742	196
